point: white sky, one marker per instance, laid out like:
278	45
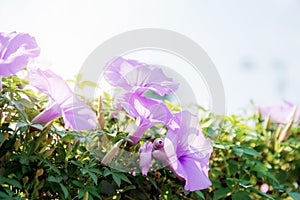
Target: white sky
254	44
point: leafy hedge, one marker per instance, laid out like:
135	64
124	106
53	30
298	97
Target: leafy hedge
50	162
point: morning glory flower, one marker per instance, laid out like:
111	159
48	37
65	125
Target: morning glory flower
137	77
186	152
16	49
148	113
62	102
145	157
281	114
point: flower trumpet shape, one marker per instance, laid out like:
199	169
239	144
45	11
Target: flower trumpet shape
63	102
186	152
16	49
138	77
281	114
149	112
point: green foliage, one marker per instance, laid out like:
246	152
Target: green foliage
49	162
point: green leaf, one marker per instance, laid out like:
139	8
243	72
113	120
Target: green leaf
251	152
106	172
3	195
52	167
123	177
221	193
93	191
77	163
261	193
54	179
37	126
220	146
21	124
129	187
244	126
84	171
245	150
78	183
95	171
200	194
81	193
13	182
82	149
78	77
106	95
117	179
64	189
94	177
153	182
244	195
26	103
294	195
239	152
87	83
21	109
261	169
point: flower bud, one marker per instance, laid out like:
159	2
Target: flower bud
145	157
48	153
39	172
111	154
158	144
25	180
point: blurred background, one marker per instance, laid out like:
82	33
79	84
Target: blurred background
255	44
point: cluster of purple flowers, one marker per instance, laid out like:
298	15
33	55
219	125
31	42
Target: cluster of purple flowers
16	50
184	149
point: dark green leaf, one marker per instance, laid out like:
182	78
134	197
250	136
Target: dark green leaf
241	195
221	193
64	189
294	195
78	183
13	182
94	177
261	193
200	194
54	179
117	179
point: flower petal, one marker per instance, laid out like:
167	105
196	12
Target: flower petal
149	111
78	115
138	77
16	49
280	114
51	84
75	112
48	114
193	171
187	152
145	157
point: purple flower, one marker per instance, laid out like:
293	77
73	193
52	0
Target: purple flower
63	102
138	77
158	144
145	157
149	112
16	49
281	114
187	152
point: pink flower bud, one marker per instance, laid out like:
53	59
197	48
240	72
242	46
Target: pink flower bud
145	157
264	188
